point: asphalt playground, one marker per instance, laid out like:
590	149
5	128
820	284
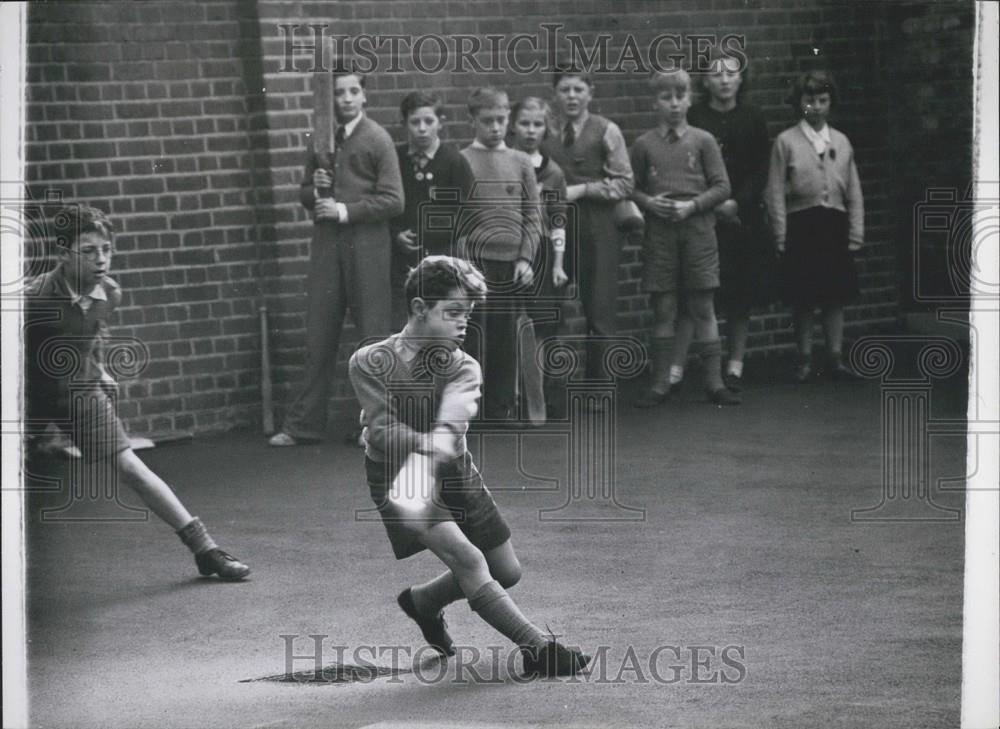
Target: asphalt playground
707	557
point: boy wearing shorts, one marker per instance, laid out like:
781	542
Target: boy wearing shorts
419	390
68	308
680	178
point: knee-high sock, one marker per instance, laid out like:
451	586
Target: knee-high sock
711	357
495	606
196	537
433	596
662	351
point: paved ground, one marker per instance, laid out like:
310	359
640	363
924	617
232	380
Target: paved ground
746	597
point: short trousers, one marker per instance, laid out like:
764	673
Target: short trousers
463	493
87	416
682	255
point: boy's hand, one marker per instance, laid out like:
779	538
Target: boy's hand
439	444
559	277
683	209
661	206
728	211
326	209
575	192
406	241
322	178
523	274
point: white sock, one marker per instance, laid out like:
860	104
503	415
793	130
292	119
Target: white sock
735	367
676	374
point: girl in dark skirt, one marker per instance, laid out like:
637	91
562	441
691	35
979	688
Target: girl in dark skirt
747	264
816	210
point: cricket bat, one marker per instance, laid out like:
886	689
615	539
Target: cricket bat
412	491
324	120
530	374
266	396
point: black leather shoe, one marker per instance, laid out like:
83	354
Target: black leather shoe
650	399
223	564
723	396
552	659
434	630
734	383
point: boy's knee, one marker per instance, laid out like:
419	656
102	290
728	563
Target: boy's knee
507	575
467	559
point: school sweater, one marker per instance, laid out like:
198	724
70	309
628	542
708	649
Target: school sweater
799	178
59	332
502	221
447	172
365	176
402	396
685	167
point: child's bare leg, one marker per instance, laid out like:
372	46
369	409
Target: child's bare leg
662	339
803	316
163	502
701	304
486	596
684	334
436	594
833	330
154	493
738	322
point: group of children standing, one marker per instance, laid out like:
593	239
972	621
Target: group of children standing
528	207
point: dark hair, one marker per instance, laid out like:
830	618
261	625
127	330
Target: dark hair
417	100
342	66
487	97
73	221
437	277
715	55
562	70
813	82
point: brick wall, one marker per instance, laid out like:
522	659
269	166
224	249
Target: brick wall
186	124
142	109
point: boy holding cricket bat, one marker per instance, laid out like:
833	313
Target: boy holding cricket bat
419	390
351	204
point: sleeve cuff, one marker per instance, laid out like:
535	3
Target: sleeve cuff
341	211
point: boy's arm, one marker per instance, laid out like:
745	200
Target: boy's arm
640	194
855	206
460	399
386	201
774	193
384	430
531	213
398	223
716	177
618	181
750	191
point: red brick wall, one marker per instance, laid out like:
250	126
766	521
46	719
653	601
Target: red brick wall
141	109
200	90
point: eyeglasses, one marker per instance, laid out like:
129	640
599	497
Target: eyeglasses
93	253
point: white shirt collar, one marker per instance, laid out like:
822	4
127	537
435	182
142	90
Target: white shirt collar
536	158
85	300
476	144
820	140
350	126
429	153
